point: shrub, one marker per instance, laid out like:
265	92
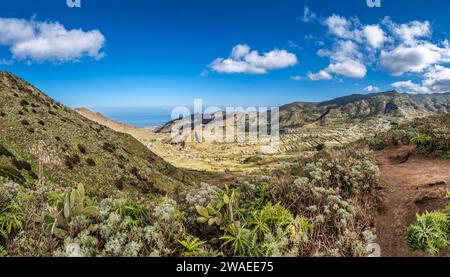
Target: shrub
109	147
24	103
421	140
90	162
25	122
82	149
430	233
72	160
377	143
254	229
41	122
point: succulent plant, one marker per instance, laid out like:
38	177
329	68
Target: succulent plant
72	205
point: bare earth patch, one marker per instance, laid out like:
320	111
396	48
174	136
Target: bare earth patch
410	184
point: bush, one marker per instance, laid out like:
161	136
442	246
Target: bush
254	230
25	122
90	162
72	160
82	149
430	233
24	103
421	140
377	143
109	147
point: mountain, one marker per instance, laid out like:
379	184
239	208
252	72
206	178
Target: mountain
390	105
42	139
358	107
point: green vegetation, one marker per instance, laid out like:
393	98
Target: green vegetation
430	135
431	231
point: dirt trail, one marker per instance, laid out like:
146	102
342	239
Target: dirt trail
410	184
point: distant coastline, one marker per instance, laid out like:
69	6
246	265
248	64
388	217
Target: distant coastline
139	117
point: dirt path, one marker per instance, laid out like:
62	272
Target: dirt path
409	184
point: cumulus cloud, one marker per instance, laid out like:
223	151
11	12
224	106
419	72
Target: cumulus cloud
436	80
404	59
348	68
409	32
375	35
321	75
339	26
371	89
410	87
398	49
244	60
49	41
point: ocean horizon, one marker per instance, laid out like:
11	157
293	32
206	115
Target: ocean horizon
139	117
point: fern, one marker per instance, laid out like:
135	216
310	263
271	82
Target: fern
12	219
421	140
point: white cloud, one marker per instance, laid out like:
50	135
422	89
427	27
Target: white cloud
49	41
405	59
409	32
233	66
437	79
406	48
338	26
374	35
297	78
240	51
243	60
321	75
410	87
346	60
371	89
348	68
308	15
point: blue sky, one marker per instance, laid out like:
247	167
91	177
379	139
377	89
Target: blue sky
140	53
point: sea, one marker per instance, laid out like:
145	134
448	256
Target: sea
139	117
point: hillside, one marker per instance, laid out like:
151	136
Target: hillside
114	125
356	108
73	149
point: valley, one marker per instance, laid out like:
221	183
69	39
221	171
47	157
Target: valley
349	172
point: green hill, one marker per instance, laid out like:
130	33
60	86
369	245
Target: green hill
42	139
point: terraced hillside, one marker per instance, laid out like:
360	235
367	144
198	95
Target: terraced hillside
42	139
304	127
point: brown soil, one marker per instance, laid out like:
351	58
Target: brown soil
410	184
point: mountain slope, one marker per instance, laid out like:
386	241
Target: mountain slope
139	133
357	107
74	149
